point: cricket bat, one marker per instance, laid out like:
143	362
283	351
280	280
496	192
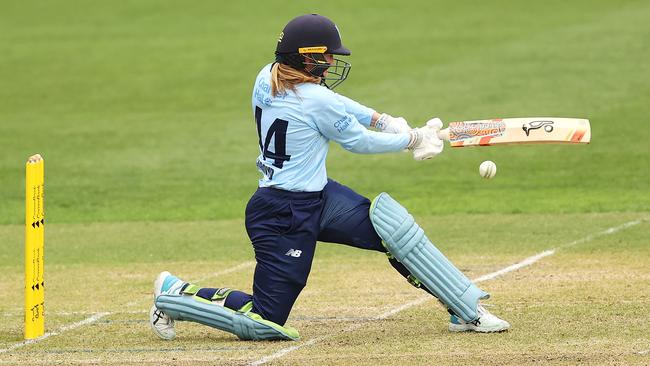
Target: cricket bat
528	130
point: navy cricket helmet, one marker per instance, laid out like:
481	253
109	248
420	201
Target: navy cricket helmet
303	43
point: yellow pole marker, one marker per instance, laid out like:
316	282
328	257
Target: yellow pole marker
34	241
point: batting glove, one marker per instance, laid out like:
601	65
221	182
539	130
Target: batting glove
389	124
425	142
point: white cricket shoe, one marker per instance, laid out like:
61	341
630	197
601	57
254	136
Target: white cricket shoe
161	323
486	323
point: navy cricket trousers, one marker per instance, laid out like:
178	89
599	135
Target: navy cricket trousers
284	227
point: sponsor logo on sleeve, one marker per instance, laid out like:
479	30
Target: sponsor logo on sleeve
342	124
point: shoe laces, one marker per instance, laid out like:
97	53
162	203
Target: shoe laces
159	315
481	312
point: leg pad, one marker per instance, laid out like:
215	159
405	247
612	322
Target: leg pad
406	241
243	323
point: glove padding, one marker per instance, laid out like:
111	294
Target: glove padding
389	124
425	142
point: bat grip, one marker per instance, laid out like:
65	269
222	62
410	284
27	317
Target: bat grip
444	134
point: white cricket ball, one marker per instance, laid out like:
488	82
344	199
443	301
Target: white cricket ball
487	169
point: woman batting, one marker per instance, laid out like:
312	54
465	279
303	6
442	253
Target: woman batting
297	114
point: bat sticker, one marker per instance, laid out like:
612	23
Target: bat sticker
534	125
459	131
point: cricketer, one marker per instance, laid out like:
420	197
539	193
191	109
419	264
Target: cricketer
297	114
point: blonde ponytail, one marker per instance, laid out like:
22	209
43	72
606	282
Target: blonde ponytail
284	77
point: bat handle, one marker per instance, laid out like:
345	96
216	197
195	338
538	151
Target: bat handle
444	134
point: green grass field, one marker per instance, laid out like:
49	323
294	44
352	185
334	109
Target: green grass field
141	110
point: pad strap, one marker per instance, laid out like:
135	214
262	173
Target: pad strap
190	289
216	294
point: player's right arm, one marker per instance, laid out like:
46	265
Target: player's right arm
330	118
371	118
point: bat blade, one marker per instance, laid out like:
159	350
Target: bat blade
528	130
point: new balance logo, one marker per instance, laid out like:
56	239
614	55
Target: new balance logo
294	253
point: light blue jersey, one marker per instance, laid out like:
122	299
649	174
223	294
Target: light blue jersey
294	131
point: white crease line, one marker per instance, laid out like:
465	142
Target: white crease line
120	361
403	307
609	231
644	352
98	316
297	318
73	313
524	263
64	328
227	271
353	327
530	260
284	351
